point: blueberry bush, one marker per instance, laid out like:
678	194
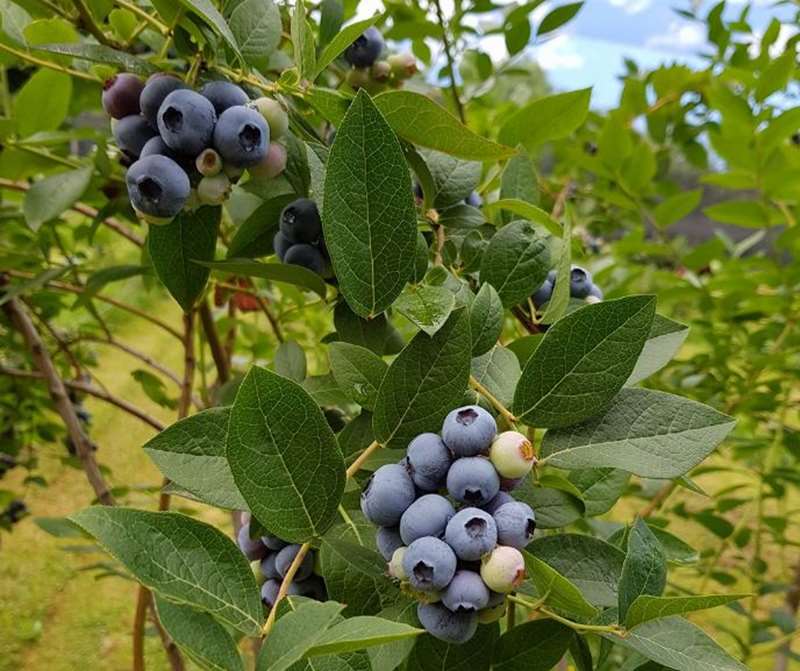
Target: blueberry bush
425	312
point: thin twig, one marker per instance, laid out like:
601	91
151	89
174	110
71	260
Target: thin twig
276	327
214	343
561	200
87	21
505	412
48	64
142	14
285	584
450	62
359	462
143	598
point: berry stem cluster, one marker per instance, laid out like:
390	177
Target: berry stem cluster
538	607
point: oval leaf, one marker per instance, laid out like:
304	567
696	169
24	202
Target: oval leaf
277	272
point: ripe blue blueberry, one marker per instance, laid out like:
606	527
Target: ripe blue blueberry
466	592
468	431
131	134
512	454
388	540
275	115
157	186
471	533
473	480
516	523
267	566
543	294
501	499
595	292
313	588
429	564
366	48
273	542
252	548
446	625
474	199
307	256
222	95
186	121
300	221
241	136
387	494
428	461
269	592
121	95
503	570
157	88
427	516
580	282
155	145
281	245
285	557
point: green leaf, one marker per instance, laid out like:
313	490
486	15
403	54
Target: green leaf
645	567
14	20
31	115
582	362
431	654
649	433
349	661
256	25
377	335
360	632
284	456
599	487
50	197
518	181
332	105
276	272
677	550
295	633
33	284
425	382
646	607
527	211
591	564
532	646
548	118
302	41
177	250
498	370
747	213
389	657
182	559
191	452
343	39
297	171
369	224
453	178
516	262
561	593
206	10
290	361
358	371
199	636
677	644
330	20
425	123
428	307
99	53
558	17
559	299
485	319
676	207
663	342
554	508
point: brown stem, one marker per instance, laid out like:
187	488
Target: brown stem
188	365
273	322
230	338
450	62
561	200
143	599
214	343
173	653
658	500
525	320
22	322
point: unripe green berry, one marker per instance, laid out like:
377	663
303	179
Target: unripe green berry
503	569
208	163
233	172
273	164
275	115
512	454
214	190
358	78
380	71
403	65
396	564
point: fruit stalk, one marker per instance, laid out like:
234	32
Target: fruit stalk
285	584
505	412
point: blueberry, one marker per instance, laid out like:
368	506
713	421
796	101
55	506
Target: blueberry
469	431
395	568
388	540
275	116
504	569
131	133
427	516
501	499
313	588
155	145
429	564
251	548
474	199
157	186
222	95
267	566
543	294
300	221
466	592
269	592
208	163
446	625
284	559
281	245
366	48
471	533
214	190
473	480
428	461
241	136
186	121
515	524
157	88
121	95
595	292
273	163
512	455
307	256
273	542
387	494
580	282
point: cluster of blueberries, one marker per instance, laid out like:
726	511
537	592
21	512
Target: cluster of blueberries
299	238
458	564
275	556
369	71
185	148
581	286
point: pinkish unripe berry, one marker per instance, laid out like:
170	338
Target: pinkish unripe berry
512	455
503	570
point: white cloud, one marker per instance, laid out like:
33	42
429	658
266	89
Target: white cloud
631	6
679	35
558	53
